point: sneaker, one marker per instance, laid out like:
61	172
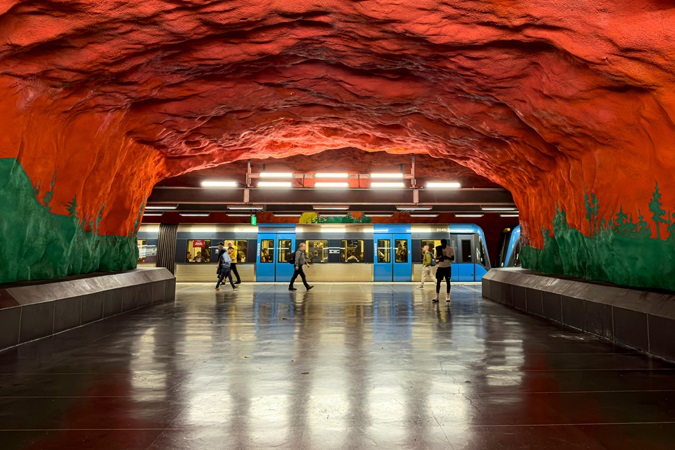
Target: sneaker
292	289
217	289
235	287
435	300
309	287
237	282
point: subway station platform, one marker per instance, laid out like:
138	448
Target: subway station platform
342	366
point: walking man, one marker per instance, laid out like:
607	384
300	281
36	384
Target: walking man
427	268
300	262
223	270
444	256
233	264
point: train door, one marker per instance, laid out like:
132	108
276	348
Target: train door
266	257
383	257
402	258
285	246
466	269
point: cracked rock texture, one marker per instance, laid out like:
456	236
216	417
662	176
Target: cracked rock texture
549	99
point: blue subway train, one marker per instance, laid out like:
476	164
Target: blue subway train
509	248
337	252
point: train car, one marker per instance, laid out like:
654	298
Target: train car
509	248
337	252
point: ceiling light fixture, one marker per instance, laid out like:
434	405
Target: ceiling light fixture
498	208
414	208
469	215
276	175
195	214
162	207
380	214
387	185
509	215
245	207
331	185
330	207
443	185
277	184
219	184
331	175
238	215
423	215
386	175
153	214
287	214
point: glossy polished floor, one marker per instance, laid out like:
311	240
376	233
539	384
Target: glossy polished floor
343	366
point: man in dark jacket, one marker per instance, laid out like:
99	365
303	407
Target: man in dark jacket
300	261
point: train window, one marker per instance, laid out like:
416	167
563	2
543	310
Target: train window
284	250
401	250
383	250
267	251
240	249
317	251
146	253
352	251
432	246
480	253
466	250
198	251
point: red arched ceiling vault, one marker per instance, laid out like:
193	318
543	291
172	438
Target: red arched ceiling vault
549	99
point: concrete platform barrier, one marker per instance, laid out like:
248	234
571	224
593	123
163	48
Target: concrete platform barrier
34	311
641	320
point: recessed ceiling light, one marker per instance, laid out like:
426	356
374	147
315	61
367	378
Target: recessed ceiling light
331	175
162	207
508	215
152	214
287	214
194	214
219	184
331	185
245	207
386	175
423	215
277	184
443	185
333	215
330	207
469	215
498	208
414	208
380	214
276	175
238	215
387	185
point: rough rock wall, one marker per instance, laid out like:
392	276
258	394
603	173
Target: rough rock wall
557	101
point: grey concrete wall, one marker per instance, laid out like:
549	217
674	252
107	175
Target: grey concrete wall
628	317
36	311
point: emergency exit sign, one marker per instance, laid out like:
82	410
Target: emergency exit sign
254	219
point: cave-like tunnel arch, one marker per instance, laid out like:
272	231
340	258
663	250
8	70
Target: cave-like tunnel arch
567	106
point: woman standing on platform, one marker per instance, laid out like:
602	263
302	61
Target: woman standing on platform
444	257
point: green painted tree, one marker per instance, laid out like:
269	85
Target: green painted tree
642	230
592	207
48	195
659	214
98	218
72	207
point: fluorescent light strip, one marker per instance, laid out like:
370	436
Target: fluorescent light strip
162	207
276	175
509	215
423	215
414	208
380	215
239	215
287	215
333	215
331	207
469	215
235	207
219	184
495	208
386	175
331	175
443	185
324	185
271	184
387	185
153	214
194	214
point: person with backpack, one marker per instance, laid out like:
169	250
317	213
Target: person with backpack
444	257
428	262
299	260
223	269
